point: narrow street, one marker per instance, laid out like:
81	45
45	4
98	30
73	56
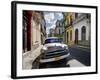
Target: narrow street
45	42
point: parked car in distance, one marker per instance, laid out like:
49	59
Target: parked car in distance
54	50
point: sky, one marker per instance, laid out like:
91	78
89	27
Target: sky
51	18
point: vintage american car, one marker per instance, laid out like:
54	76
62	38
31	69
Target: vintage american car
54	50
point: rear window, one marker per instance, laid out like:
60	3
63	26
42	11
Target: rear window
53	40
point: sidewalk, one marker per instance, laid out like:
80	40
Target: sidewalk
86	47
80	46
75	63
29	57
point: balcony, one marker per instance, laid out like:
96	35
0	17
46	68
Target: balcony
80	18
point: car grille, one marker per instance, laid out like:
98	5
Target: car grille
54	48
57	53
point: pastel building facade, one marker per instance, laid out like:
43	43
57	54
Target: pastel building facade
82	28
77	28
34	34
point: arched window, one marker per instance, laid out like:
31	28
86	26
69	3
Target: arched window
83	33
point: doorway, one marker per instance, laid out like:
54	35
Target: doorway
76	36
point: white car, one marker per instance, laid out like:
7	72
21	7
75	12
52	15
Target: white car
54	50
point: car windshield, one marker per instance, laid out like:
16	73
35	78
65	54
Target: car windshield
53	40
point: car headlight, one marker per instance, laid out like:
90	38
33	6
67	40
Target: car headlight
65	47
43	50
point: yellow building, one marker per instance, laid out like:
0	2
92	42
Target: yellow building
69	29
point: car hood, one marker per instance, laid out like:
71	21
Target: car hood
52	47
55	45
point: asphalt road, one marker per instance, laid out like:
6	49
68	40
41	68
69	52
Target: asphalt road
79	57
83	55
